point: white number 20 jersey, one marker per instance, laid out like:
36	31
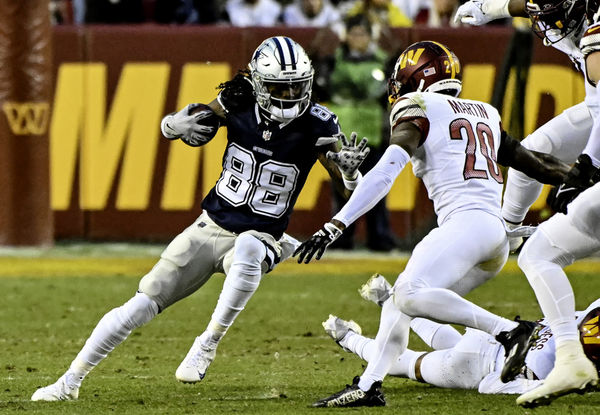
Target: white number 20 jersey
456	158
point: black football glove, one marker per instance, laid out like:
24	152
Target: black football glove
317	243
581	176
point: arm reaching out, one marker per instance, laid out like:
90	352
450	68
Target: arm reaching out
370	190
539	166
480	12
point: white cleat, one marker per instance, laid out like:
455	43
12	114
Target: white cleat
573	374
193	367
337	329
376	289
62	390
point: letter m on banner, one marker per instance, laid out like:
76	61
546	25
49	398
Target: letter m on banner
27	118
106	139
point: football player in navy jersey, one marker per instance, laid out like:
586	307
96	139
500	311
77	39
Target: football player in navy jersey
275	134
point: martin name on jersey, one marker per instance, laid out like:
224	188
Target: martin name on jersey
451	126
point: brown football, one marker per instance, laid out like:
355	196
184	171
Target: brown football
211	121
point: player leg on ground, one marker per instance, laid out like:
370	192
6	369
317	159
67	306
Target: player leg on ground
478	240
462	365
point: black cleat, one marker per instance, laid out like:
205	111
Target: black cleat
353	396
516	345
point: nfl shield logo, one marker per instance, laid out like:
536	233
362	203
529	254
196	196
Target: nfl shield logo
266	135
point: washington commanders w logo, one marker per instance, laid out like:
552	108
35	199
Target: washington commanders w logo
27	118
590	331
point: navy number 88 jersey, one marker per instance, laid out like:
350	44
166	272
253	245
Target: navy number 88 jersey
264	169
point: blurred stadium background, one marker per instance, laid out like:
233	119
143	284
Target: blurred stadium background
82	156
83	164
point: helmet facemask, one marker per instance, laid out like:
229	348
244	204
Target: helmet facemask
553	20
282	77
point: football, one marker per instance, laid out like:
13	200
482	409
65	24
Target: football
209	119
589	333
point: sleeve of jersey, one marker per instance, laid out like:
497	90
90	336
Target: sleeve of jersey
590	42
408	109
374	185
327	126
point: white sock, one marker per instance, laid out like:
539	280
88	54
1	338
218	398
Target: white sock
391	342
569	349
435	335
360	345
111	331
404	366
542	264
365	348
241	282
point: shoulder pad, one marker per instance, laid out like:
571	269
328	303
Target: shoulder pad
590	42
409	106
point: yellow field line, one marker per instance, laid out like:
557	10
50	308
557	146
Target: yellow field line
389	266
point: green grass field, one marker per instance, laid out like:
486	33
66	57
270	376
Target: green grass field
276	359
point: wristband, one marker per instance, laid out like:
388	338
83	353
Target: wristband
351	184
166	131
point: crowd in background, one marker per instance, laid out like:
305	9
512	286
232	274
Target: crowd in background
312	13
351	81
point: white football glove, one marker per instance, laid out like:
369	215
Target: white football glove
480	12
187	127
516	233
350	156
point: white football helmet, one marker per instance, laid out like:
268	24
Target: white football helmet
282	77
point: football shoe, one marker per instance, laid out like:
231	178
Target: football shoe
352	396
337	329
516	344
376	289
573	373
193	367
64	389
